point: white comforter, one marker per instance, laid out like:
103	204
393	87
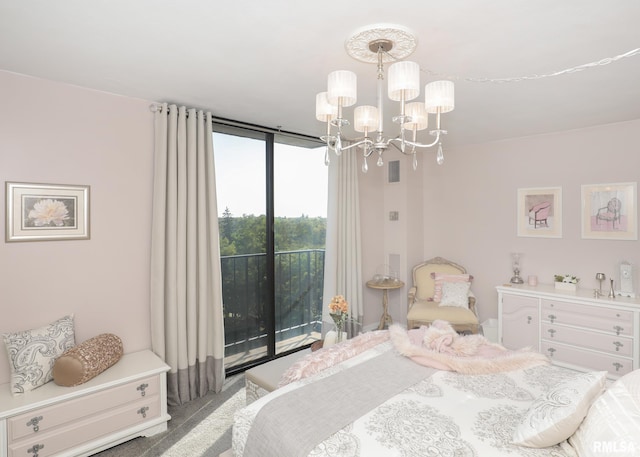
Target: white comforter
446	415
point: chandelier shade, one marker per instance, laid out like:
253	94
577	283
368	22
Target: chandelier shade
439	97
379	43
325	111
365	118
342	88
404	81
417	112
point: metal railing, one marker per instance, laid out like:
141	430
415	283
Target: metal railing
299	277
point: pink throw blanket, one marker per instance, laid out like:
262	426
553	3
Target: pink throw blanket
439	346
327	357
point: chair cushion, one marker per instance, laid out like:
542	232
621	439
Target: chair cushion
425	283
426	311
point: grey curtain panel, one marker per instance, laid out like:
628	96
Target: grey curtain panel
343	256
187	327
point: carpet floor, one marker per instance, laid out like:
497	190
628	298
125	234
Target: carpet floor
200	428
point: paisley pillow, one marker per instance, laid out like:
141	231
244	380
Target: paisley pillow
32	353
556	415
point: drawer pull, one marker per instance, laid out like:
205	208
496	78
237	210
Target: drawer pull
618	329
618	366
551	332
529	319
34	422
34	449
141	388
143	411
551	317
618	345
551	351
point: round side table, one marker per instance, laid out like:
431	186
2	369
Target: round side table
385	285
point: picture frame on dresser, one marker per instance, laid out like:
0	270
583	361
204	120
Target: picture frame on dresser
610	211
539	212
46	212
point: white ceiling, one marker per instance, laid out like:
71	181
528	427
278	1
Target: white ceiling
263	61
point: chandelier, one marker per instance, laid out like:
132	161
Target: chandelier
382	44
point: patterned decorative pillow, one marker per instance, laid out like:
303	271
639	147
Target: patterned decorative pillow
612	425
32	353
441	278
455	294
556	415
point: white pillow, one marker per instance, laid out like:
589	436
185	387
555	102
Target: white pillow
455	294
612	425
555	415
32	353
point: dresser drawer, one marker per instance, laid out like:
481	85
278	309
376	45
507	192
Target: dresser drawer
613	344
77	433
591	360
616	321
41	420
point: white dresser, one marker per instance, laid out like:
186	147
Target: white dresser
574	329
127	400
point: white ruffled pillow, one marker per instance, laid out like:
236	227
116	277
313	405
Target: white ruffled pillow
555	415
612	425
455	294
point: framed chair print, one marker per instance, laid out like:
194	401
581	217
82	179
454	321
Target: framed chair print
540	212
610	211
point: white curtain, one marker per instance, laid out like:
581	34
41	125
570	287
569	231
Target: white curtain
187	329
343	259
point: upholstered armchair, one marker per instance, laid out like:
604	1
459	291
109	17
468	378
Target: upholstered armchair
436	294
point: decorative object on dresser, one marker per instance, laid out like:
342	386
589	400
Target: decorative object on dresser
515	264
600	277
38	212
539	212
610	211
626	280
566	282
125	401
577	331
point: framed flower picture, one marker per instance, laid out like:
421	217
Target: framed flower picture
610	211
540	212
39	212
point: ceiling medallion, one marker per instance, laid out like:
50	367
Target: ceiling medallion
399	39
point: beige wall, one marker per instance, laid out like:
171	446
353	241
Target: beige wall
468	210
56	133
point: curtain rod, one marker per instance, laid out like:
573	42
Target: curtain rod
231	123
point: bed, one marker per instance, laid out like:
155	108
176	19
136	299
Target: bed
369	396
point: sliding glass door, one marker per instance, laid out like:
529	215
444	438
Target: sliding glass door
272	216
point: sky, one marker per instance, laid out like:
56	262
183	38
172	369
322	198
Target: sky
300	178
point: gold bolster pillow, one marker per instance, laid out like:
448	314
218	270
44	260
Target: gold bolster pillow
87	360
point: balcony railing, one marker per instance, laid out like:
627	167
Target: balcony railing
299	277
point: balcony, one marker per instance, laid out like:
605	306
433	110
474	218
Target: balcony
299	277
